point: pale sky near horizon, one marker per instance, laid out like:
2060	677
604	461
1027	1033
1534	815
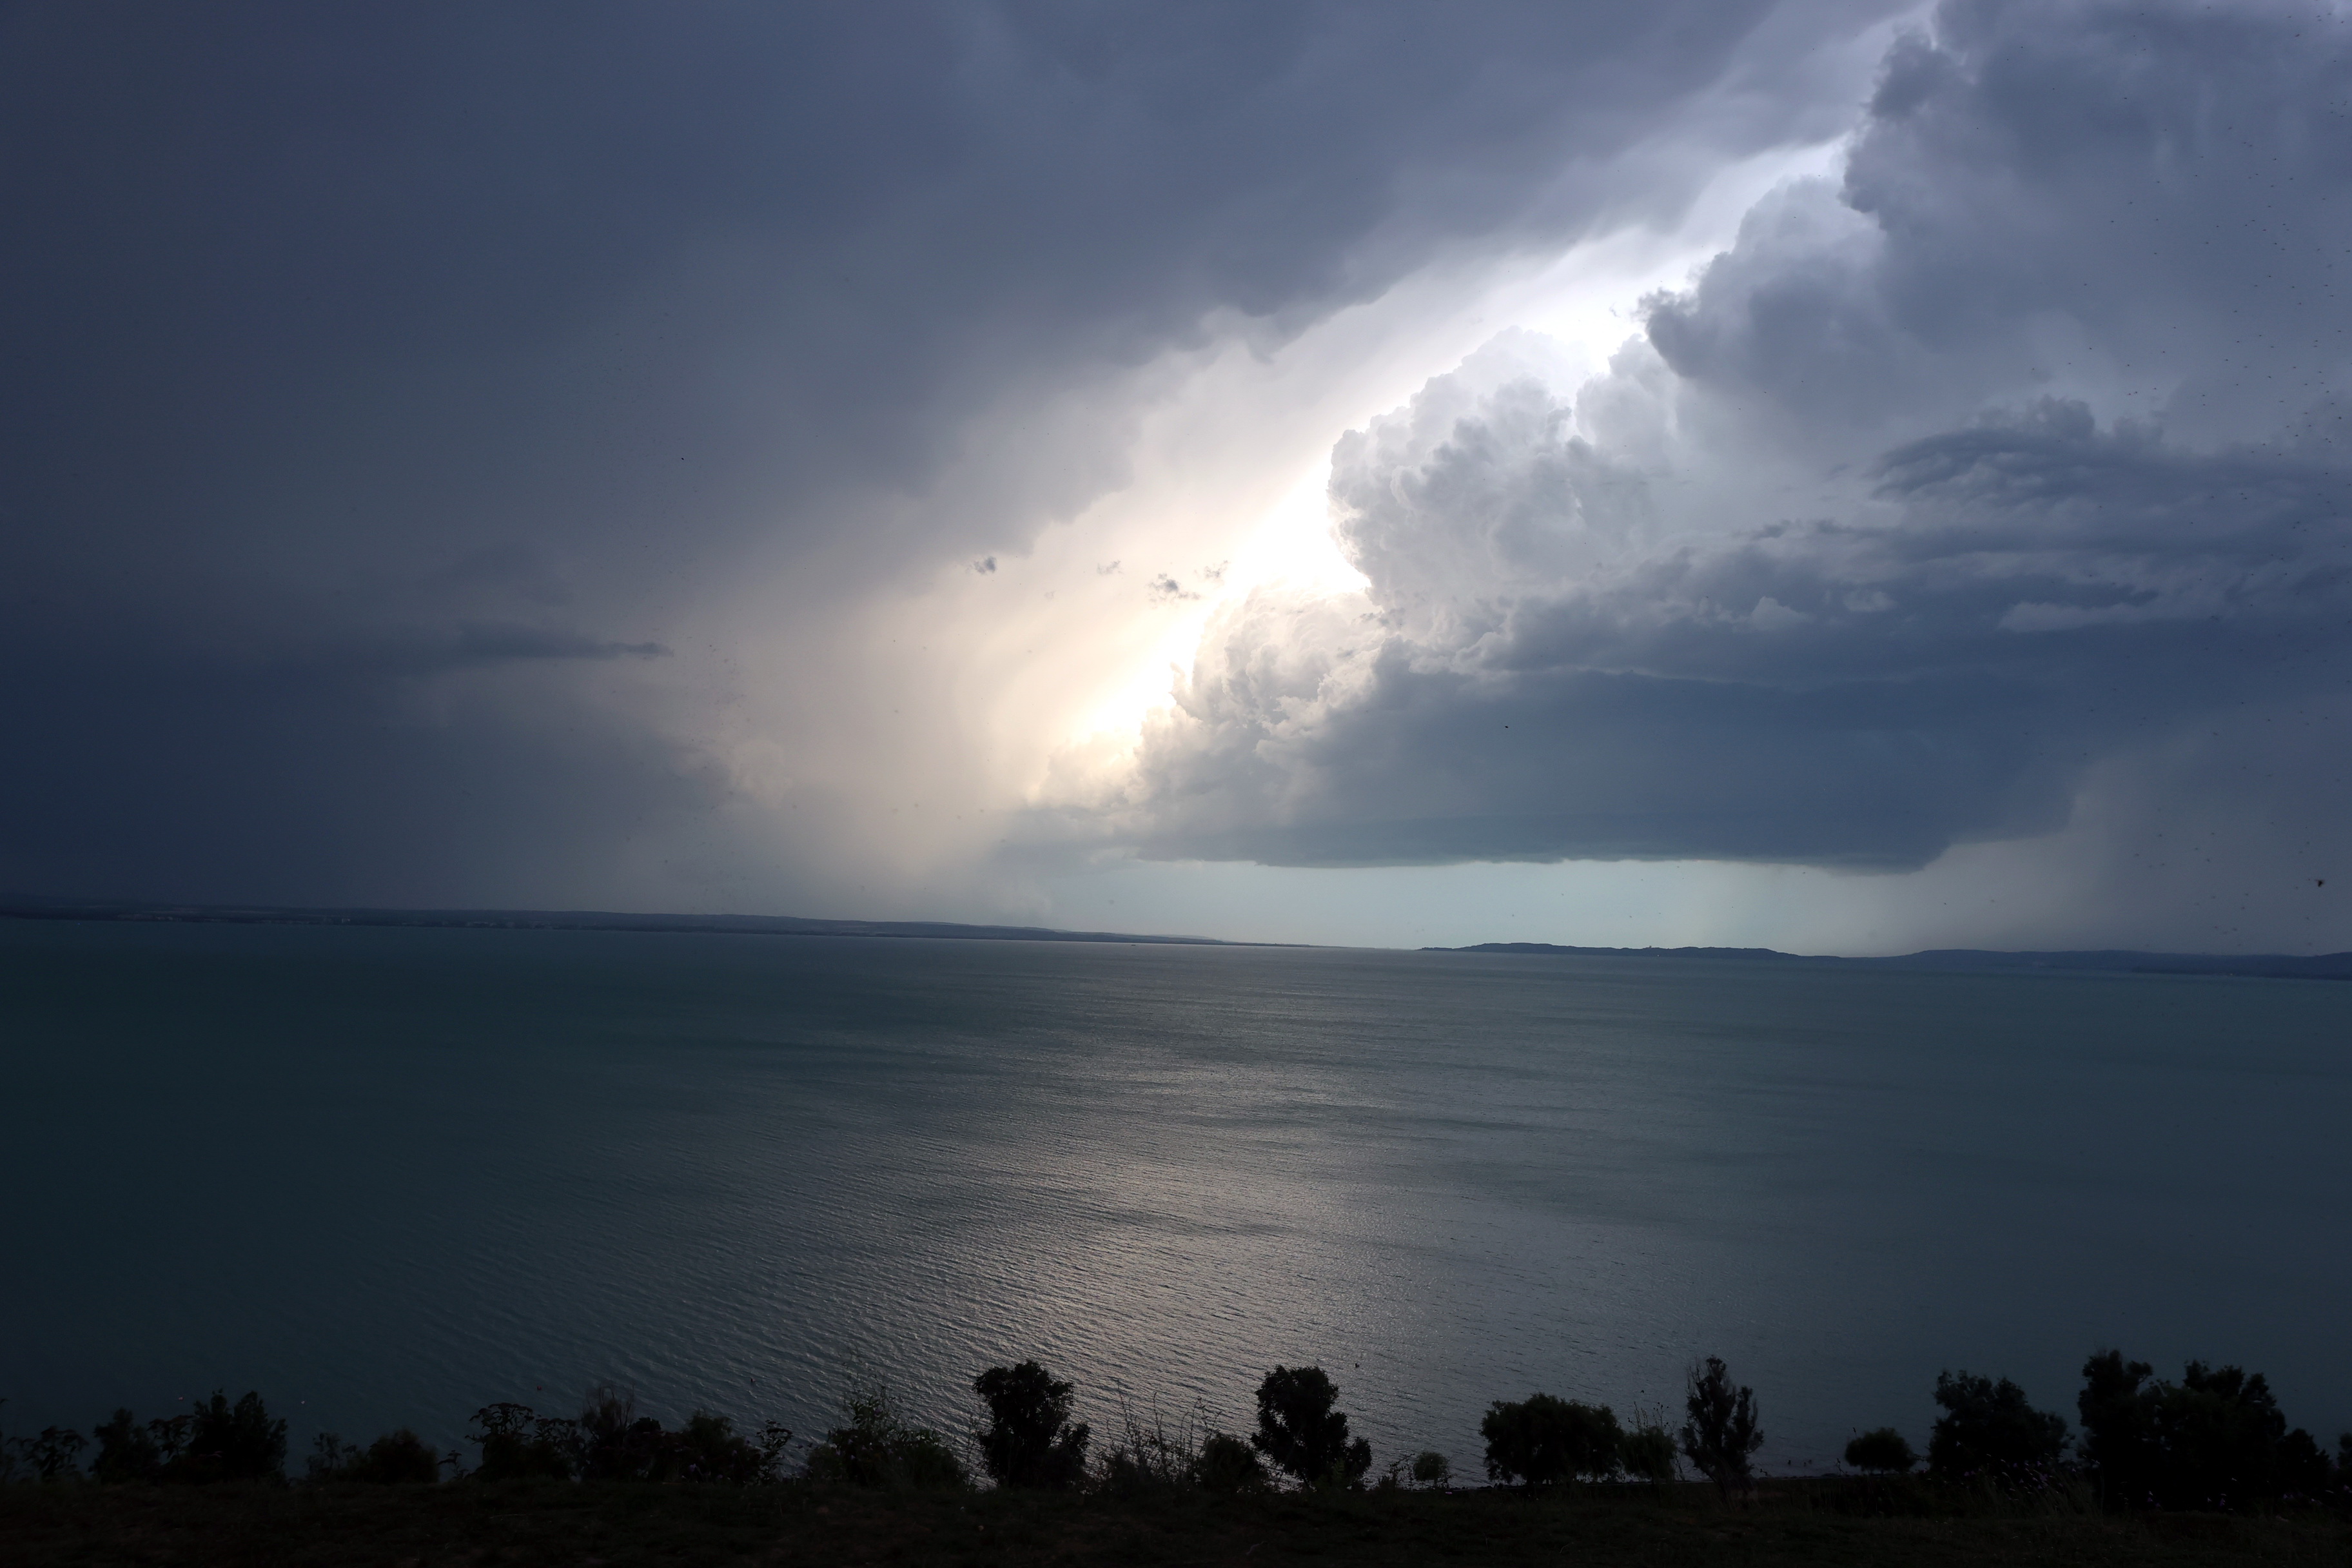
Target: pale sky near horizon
1824	474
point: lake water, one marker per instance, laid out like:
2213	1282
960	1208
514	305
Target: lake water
386	1176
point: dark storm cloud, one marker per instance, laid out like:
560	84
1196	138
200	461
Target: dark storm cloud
352	348
1831	693
497	642
1589	633
2156	191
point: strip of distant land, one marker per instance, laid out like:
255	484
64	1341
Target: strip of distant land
2269	966
2263	965
576	919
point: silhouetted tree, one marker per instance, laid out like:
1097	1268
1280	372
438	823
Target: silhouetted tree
128	1451
329	1459
1030	1440
1720	1432
519	1445
872	1447
2215	1439
1433	1469
1150	1453
1300	1432
2117	1443
1989	1430
609	1441
1540	1440
231	1442
399	1457
56	1452
709	1448
1648	1451
613	1443
1883	1450
1228	1465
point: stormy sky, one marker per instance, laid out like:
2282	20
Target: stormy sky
1829	474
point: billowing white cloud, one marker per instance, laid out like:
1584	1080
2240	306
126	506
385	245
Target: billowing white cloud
2016	457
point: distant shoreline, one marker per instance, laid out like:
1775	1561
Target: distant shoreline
1968	960
2258	966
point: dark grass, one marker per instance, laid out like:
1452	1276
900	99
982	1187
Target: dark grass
583	1526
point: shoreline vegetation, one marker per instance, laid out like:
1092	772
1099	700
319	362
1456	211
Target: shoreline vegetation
2260	966
2203	1469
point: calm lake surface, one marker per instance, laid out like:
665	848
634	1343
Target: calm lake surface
387	1176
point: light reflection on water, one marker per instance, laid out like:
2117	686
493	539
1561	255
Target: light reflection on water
386	1176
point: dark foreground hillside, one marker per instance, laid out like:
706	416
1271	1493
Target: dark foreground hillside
582	1526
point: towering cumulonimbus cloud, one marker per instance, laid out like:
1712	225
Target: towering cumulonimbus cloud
2022	450
454	455
552	457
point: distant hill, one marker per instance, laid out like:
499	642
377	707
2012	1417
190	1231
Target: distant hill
2264	965
1546	947
576	919
2272	966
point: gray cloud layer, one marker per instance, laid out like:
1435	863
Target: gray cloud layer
2022	451
378	377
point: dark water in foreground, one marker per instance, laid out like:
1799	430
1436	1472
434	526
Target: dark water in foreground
386	1176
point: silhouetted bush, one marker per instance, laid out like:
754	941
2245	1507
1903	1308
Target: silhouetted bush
519	1445
129	1451
2216	1439
399	1457
54	1452
1542	1441
328	1458
1433	1469
231	1443
609	1441
1030	1440
217	1441
1302	1434
1720	1432
709	1448
1153	1455
1228	1465
2302	1470
1989	1432
1647	1452
613	1443
872	1447
1882	1451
